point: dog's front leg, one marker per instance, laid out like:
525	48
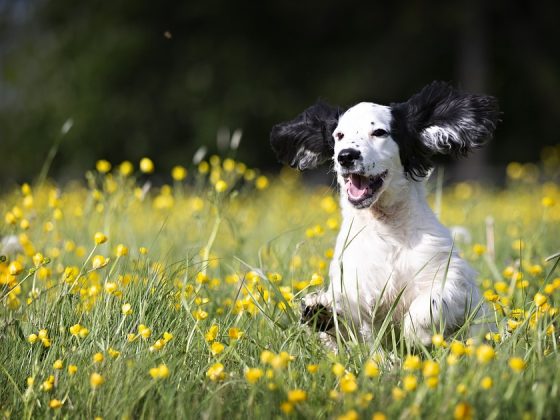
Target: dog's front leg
425	315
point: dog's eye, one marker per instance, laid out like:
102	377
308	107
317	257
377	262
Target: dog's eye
379	133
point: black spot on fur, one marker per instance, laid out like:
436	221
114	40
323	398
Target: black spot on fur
471	118
306	141
317	316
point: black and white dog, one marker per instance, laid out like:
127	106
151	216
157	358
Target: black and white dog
391	245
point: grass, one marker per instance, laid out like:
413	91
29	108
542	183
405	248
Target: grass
195	314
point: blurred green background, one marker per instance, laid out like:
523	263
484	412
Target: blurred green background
161	78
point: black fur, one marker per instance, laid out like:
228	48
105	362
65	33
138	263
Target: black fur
306	141
472	117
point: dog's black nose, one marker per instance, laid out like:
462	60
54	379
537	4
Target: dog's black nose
347	157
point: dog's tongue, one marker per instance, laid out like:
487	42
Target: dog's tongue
356	186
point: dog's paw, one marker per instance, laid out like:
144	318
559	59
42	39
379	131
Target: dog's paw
316	314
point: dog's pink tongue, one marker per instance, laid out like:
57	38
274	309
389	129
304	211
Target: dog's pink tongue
355	187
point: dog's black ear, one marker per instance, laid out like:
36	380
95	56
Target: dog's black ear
306	141
441	120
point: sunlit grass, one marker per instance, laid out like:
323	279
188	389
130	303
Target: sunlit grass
119	299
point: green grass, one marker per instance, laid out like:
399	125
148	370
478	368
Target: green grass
242	258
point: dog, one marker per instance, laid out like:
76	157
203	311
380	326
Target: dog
392	255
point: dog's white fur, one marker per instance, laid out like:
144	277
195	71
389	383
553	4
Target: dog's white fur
395	245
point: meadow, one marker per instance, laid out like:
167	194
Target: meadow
121	297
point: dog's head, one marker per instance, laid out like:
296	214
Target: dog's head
372	144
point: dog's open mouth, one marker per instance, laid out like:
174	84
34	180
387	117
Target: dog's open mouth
362	189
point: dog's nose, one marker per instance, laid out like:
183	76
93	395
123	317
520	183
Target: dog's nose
347	157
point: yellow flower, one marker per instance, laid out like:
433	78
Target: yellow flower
479	249
432	382
461	389
58	364
15	268
517	364
371	369
485	353
126	309
146	165
38	259
84	332
110	287
75	329
103	166
252	375
48	385
99	261
98	357
548	201
72	369
212	333
121	250
348	383
286	407
167	337
159	372
221	186
32	338
364	399
203	167
267	356
113	353
462	411
200	315
378	415
261	182
126	168
216	348
486	382
535	270
144	331
281	360
412	363
96	380
216	372
338	369
30	381
296	396
438	340
178	173
410	383
350	415
397	393
54	404
457	348
99	238
452	360
540	299
316	280
235	333
431	368
312	369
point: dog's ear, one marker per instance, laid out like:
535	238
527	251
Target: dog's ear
306	141
441	120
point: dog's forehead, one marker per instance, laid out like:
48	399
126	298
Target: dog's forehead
367	115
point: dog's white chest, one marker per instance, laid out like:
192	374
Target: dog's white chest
364	268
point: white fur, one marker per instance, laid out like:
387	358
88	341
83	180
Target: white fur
395	245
